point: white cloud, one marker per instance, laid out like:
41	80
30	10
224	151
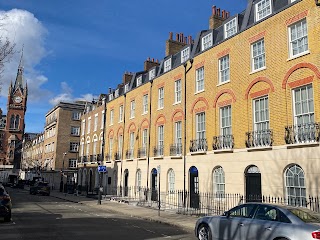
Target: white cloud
24	29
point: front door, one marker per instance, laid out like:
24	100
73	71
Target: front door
126	177
253	185
194	187
154	185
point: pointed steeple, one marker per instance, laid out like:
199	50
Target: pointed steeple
19	81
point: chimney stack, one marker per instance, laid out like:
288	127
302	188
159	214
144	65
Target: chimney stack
174	46
148	64
216	19
126	77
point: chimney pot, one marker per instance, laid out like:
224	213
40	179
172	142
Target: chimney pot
148	58
227	15
214	10
218	12
189	39
157	60
170	35
177	36
223	14
185	40
152	59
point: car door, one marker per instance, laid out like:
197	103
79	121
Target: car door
231	227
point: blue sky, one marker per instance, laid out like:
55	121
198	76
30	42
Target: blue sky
78	49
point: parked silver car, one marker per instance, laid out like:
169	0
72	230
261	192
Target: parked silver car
259	221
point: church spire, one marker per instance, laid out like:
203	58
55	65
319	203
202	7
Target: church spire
19	81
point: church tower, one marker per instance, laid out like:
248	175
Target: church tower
15	120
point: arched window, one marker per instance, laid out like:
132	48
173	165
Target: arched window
12	119
218	182
295	186
171	180
16	124
138	180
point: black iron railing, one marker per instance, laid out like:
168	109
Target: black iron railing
99	157
261	138
302	133
129	154
142	152
117	156
176	149
108	157
198	145
223	142
158	151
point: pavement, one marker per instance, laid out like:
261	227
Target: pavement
185	222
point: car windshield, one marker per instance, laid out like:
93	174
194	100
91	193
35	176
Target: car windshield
306	216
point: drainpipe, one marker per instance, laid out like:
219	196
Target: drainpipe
149	133
185	128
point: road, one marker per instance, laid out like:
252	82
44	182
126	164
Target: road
45	217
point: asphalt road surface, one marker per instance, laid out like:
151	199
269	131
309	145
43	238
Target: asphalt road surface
45	218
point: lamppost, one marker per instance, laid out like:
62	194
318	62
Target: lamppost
62	169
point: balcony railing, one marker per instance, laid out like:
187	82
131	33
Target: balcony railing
83	159
142	152
261	138
158	151
198	145
108	157
223	142
117	156
129	154
99	157
176	149
302	133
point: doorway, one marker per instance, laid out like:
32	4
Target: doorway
194	187
253	184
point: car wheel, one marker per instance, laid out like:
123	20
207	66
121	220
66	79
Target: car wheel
204	232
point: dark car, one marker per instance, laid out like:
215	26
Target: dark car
5	205
40	188
20	184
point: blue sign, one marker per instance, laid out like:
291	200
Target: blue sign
102	168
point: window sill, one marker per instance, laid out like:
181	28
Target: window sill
198	153
131	118
143	158
256	149
159	108
118	160
298	55
302	145
220	84
258	70
120	121
129	160
230	150
145	113
158	158
176	157
176	103
198	92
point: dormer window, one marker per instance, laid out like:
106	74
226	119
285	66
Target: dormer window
185	54
126	87
263	9
110	97
116	93
152	74
207	41
230	28
139	81
167	65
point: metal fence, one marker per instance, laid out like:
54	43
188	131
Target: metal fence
189	203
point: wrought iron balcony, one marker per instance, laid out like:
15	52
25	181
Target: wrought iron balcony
117	156
198	145
129	154
99	157
83	159
142	152
108	157
261	138
158	151
223	142
302	133
176	149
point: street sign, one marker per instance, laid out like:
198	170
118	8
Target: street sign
102	168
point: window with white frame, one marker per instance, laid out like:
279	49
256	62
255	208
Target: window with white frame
178	137
225	127
132	108
126	87
263	9
88	149
121	113
295	186
171	181
207	41
95	125
224	69
292	1
303	105
177	91
89	125
74	147
298	38
185	54
201	126
75	131
94	149
160	139
120	144
131	145
160	97
152	74
72	163
76	115
167	65
200	79
258	57
110	97
116	93
261	113
102	120
138	179
230	28
111	116
139	81
218	182
145	104
145	138
110	147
